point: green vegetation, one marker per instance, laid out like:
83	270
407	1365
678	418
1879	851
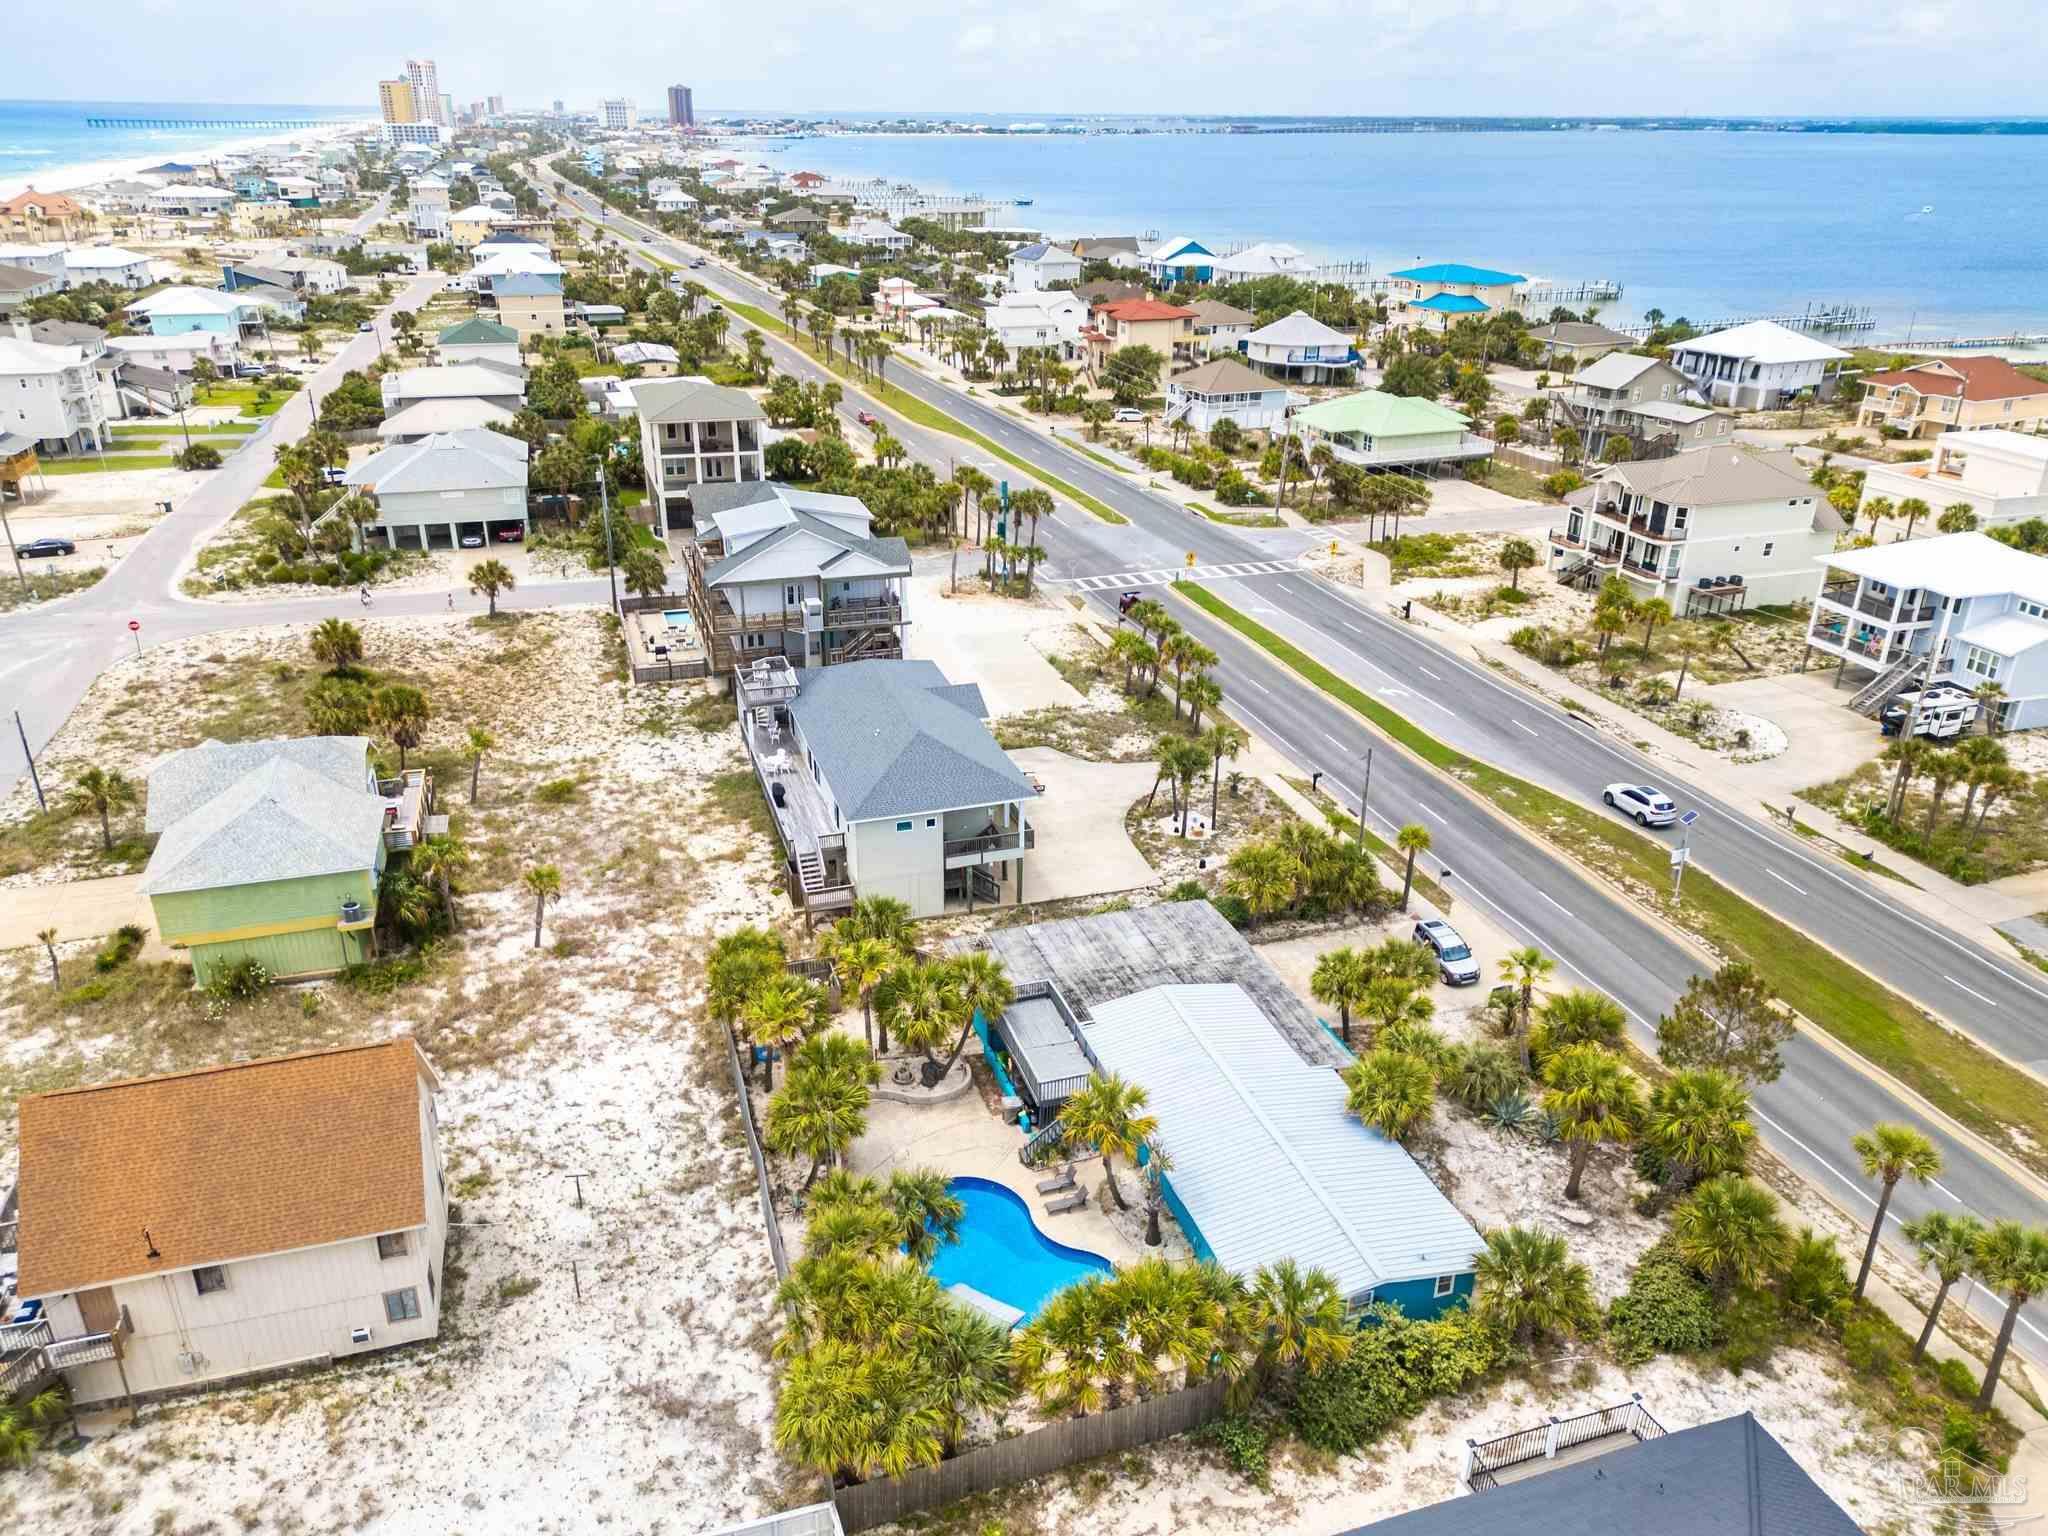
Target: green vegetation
46	585
114	465
1959	1077
1980	818
1430	554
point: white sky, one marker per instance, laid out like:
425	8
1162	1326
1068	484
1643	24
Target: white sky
1452	57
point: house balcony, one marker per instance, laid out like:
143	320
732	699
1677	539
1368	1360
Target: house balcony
813	842
408	800
1643	525
991	847
1842	594
1558	1443
31	1356
1876	648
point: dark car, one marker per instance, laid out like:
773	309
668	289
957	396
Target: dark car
1454	961
867	418
36	549
511	535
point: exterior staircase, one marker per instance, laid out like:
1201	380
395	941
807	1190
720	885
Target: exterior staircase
810	870
869	644
1043	1145
1888	685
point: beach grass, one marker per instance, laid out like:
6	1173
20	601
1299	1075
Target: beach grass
114	465
1956	1075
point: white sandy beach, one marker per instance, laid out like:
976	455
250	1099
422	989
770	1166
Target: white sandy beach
87	173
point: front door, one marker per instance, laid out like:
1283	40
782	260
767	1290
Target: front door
102	1314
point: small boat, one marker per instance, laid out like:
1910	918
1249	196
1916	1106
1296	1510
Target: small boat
1927	207
1023	202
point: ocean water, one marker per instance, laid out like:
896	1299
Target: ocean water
1944	233
45	142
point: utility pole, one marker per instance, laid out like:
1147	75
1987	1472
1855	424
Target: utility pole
1364	795
611	569
34	777
12	548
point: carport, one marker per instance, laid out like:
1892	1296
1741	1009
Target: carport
470	531
507	530
440	535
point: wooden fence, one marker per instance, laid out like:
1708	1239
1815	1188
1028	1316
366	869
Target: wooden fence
761	1186
1017	1460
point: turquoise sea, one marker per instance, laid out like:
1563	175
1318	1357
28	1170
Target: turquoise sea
46	138
1945	233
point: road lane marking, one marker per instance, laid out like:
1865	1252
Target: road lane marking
1421	668
1971	990
1556	903
1258	685
1782	880
1351	626
1333	741
1531	730
1439	815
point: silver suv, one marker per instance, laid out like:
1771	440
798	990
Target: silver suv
1454	958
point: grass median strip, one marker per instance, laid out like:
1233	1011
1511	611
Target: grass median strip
115	464
909	406
1957	1076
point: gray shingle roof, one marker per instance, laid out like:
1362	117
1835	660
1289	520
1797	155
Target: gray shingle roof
693	400
893	738
474	459
294	809
1225	376
1705	477
1727	1478
756	562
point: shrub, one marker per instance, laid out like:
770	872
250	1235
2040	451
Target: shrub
1957	1379
119	949
1563	483
1546	645
1667	1309
1243	1440
1396	1364
1186	890
556	792
1868	1344
199	456
1816	1281
94	991
379	977
1234	910
1751	1322
239	981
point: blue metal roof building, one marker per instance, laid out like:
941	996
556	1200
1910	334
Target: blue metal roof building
1267	1164
1457	272
1451	304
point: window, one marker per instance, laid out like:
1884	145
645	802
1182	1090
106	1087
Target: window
1680	518
1445	1284
2027	606
392	1245
931	821
1769	545
402	1306
903	826
1980	661
209	1278
430	1283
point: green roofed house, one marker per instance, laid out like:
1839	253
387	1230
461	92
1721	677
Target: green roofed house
1381	431
272	850
478	340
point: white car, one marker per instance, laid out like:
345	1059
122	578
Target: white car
472	541
1128	413
1650	807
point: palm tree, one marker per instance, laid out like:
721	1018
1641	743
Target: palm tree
1157	1165
1595	1099
1392	1000
1391	1091
984	988
1699	1124
818	1114
101	792
1411	840
438	860
1730	1231
1912	509
851	1413
1106	1115
861	964
47	937
1523	968
544	883
1297	1317
1889	1153
1058	1356
967	1358
1223	739
1580	1017
402	711
1263	876
1948	1244
1529	1284
782	1010
928	1213
478	742
2014	1258
1652	611
739	962
1957	517
1339	980
337	644
491	577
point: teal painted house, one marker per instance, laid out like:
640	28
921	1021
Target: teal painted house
274	849
1267	1164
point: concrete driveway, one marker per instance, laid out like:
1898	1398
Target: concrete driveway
78	909
1083	849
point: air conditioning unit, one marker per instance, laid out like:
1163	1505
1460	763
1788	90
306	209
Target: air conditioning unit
190	1361
359	1336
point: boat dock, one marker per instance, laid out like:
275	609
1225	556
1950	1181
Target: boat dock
1825	319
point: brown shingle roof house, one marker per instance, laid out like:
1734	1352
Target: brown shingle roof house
236	1218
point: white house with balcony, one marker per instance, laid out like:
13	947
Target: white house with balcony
695	433
1374	430
1707	530
1300	347
1040	266
884	780
1962	608
214	1225
2002	477
1643	399
1760	366
50	394
1039	317
1223	389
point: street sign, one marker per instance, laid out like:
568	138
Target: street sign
1687	818
134	625
1680	857
1191	560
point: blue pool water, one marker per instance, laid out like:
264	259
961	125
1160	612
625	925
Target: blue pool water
1001	1252
679	617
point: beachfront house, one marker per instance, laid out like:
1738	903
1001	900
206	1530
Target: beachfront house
175	354
1573	343
450	490
191	201
1301	348
1999	476
1268	258
1378	431
1267	1163
1219	327
1179	260
1041	266
877	235
1962	608
50	395
798	574
883	780
478	339
502	387
1705	530
242	317
1953	394
1444	292
1643	399
214	1225
695	433
1165	328
271	851
1225	389
1761	366
1039	317
34	216
110	264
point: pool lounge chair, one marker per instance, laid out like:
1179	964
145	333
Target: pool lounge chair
1054	1186
1065	1203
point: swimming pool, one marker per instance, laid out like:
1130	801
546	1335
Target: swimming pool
1001	1252
677	618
